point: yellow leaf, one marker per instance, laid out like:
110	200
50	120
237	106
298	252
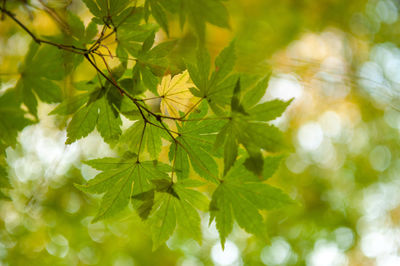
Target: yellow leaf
175	94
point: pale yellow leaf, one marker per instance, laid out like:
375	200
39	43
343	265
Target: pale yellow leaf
175	94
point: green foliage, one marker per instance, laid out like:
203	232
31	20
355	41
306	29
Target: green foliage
151	141
194	147
4	183
258	134
195	144
240	195
121	180
12	118
91	109
217	89
208	122
41	68
105	11
175	206
149	83
197	12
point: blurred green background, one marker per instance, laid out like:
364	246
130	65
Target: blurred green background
339	59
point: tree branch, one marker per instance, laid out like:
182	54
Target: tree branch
92	50
69	48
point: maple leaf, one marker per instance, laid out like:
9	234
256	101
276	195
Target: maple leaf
218	88
175	94
198	13
93	108
121	180
150	62
42	66
175	207
12	118
239	196
151	141
195	145
247	126
106	10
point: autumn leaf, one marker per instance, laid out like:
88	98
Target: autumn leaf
175	94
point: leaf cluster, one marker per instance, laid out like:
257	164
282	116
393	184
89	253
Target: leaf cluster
209	122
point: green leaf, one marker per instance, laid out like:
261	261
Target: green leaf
76	27
4	181
219	88
237	198
151	140
106	163
221	211
176	210
129	109
220	95
247	125
224	63
130	139
159	51
269	110
41	67
129	39
120	181
129	17
271	164
12	118
116	6
255	94
200	72
148	43
188	220
106	10
90	32
201	11
254	162
159	14
194	197
236	106
163	218
109	122
83	122
99	111
198	12
147	199
92	6
230	152
195	144
150	62
70	105
150	81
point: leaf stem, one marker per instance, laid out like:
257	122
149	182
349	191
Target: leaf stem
173	163
141	140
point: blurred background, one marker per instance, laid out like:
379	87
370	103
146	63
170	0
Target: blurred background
339	60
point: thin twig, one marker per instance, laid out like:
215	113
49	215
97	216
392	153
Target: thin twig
12	16
151	98
69	48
